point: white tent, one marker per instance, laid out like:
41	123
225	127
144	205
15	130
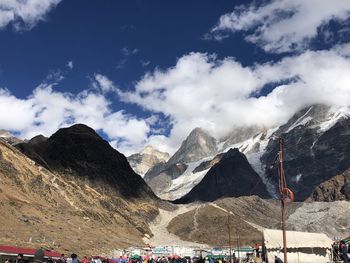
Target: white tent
302	247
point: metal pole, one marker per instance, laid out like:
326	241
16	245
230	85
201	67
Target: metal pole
282	185
238	248
229	236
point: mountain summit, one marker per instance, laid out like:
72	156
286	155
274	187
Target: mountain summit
198	144
146	159
80	151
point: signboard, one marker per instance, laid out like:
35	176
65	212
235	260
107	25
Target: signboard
162	250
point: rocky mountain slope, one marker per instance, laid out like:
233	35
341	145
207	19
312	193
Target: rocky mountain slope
146	159
248	216
9	137
336	188
76	193
245	216
232	176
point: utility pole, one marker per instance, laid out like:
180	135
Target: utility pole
282	188
229	236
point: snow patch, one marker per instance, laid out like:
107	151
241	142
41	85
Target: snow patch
301	121
185	182
335	114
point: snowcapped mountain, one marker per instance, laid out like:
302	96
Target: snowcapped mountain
146	159
316	148
176	177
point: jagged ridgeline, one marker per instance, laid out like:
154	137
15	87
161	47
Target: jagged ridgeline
316	148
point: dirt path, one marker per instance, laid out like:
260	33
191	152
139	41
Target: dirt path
161	236
195	222
260	228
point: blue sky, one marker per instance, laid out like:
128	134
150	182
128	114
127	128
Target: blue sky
94	35
147	72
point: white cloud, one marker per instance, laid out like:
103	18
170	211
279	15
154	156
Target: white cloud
103	83
203	91
200	90
47	110
128	52
70	64
24	14
282	25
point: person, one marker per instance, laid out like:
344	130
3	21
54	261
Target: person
39	255
62	259
85	260
74	258
278	260
20	259
344	251
257	248
49	260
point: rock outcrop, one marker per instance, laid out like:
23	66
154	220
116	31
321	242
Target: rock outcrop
335	189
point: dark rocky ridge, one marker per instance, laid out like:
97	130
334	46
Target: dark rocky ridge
232	176
80	151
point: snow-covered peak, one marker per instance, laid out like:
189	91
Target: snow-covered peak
318	117
334	115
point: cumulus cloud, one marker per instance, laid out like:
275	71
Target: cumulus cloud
47	110
220	95
200	90
282	25
24	14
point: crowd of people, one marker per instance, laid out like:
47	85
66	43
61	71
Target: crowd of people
73	258
340	251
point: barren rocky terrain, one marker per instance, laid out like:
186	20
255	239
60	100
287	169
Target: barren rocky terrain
43	207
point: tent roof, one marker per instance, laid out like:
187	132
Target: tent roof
273	239
11	250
